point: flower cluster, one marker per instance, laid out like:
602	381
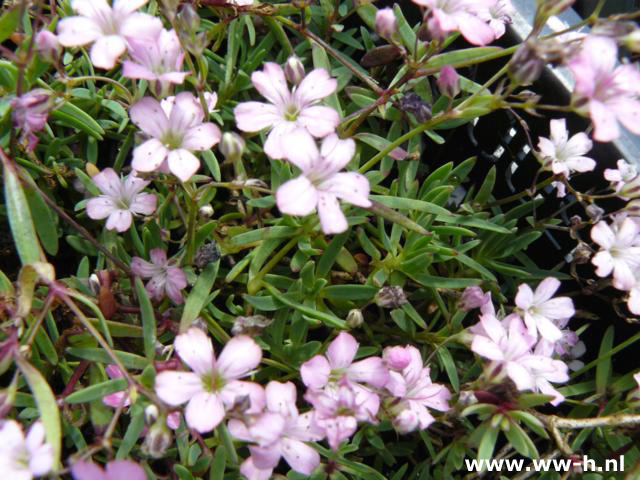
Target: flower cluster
526	346
342	392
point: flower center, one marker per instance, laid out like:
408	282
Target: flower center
172	140
291	113
213	383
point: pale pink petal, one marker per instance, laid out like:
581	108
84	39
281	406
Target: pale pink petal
195	349
604	122
306	429
149	116
579	144
557	308
272	84
87	471
520	376
486	348
524	297
342	351
546	289
149	156
238	390
315	372
265	457
315	86
281	398
301	457
581	164
546	147
239	430
300	149
95	9
634	301
278	136
331	217
125	469
77	31
176	388
201	137
128	6
186	112
100	207
623	277
370	370
474	30
559	133
336	152
106	50
119	220
135	70
602	234
204	412
548	330
265	430
254	116
141	26
108	181
35	437
41	461
117	400
351	187
251	472
297	197
319	121
143	204
604	263
183	164
142	268
239	356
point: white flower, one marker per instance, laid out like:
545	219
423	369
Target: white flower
564	155
24	458
619	253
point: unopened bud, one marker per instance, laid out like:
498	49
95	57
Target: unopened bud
150	414
48	46
206	211
390	297
595	212
231	145
158	439
355	318
386	24
252	325
632	41
396	358
449	81
294	70
473	297
381	55
526	65
188	19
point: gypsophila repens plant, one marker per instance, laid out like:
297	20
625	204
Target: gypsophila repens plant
267	240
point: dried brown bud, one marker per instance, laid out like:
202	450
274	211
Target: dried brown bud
390	297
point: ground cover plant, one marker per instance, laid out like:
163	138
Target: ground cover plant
256	240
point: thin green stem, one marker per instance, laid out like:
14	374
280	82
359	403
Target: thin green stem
227	441
124	90
254	285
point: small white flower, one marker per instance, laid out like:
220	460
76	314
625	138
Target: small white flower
24	458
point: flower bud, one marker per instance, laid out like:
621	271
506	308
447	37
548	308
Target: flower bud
231	145
449	82
188	19
158	439
526	65
252	325
48	46
473	297
150	413
206	254
396	358
632	41
355	318
390	297
206	211
386	24
294	70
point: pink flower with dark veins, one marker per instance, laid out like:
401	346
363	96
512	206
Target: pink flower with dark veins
608	94
465	16
108	28
619	251
413	391
165	279
213	386
157	60
279	432
24	458
563	155
289	113
120	199
321	183
338	364
176	129
543	314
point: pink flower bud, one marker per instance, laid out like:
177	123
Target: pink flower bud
294	70
396	358
47	45
449	82
473	297
386	24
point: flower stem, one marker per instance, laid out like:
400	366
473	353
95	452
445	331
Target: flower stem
254	285
227	441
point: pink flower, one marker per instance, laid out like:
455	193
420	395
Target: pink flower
213	386
498	14
414	392
396	358
165	279
386	24
288	111
108	28
541	312
619	252
338	364
156	60
465	16
24	458
115	470
280	432
176	129
625	179
339	408
449	81
30	112
120	199
47	45
606	92
563	155
321	183
118	399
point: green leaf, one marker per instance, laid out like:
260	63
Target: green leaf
27	279
129	360
487	187
134	430
43	220
449	365
350	292
444	282
218	464
9	22
406	32
70	115
321	60
260	234
148	320
198	296
603	370
47	406
409	204
20	221
487	443
378	143
462	56
520	441
326	318
97	391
